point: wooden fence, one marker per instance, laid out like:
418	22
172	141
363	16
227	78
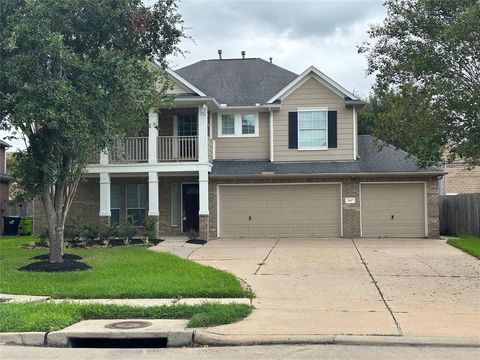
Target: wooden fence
19	209
460	214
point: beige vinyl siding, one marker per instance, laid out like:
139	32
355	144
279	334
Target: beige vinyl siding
243	148
178	89
313	94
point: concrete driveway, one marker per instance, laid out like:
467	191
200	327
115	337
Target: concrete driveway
389	287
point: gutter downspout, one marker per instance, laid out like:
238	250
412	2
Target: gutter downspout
271	134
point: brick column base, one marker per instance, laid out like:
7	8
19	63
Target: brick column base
157	225
105	220
204	229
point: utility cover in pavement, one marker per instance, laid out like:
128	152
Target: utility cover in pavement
127	325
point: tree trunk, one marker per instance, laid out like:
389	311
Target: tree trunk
55	225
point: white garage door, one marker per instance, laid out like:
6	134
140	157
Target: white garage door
393	210
265	211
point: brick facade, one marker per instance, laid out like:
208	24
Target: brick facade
462	180
350	188
86	203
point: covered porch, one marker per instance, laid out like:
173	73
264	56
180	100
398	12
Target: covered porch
178	202
181	134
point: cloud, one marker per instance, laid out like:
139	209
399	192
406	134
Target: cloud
296	34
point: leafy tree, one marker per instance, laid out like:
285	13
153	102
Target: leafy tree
74	74
380	118
426	56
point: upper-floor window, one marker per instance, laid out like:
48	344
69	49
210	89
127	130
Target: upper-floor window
238	125
312	129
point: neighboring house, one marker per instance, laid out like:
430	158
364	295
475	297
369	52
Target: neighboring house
252	150
4	183
460	179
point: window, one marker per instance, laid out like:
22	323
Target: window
175	204
228	124
238	125
312	129
187	125
115	204
136	203
248	124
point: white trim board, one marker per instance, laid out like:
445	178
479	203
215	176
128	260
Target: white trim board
282	184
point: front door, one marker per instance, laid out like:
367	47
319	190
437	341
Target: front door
191	207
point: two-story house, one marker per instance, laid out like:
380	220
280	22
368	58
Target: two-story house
252	150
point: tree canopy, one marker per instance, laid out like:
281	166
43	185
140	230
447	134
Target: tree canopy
426	57
74	74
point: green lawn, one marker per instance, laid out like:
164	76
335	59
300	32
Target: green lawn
120	272
469	244
52	316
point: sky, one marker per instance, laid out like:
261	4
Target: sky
296	34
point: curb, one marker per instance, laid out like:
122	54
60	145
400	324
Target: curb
203	337
23	338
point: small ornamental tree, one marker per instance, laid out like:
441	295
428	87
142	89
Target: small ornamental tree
426	56
74	74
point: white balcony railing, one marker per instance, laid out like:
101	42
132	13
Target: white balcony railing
129	150
177	148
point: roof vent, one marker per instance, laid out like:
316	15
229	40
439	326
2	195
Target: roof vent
271	60
243	54
220	54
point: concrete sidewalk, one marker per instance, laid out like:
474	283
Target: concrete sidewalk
367	287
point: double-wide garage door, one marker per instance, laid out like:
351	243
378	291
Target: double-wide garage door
263	211
393	210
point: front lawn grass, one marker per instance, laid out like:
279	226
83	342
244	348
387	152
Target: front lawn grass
469	244
119	272
55	316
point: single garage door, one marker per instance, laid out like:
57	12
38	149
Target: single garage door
393	210
265	211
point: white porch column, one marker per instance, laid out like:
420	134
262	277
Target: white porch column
203	192
104	157
203	134
153	194
152	136
104	194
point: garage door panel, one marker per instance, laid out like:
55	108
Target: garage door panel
311	210
393	210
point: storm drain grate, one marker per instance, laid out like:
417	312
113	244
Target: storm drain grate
118	343
128	325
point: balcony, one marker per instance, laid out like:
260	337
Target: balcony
129	150
169	149
177	148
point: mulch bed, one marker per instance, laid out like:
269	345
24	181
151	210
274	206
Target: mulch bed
196	241
65	257
46	266
156	241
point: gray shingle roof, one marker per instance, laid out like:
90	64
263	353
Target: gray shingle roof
238	82
3	143
371	160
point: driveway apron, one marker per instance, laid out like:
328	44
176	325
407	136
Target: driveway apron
388	287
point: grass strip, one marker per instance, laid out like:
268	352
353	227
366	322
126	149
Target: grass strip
29	317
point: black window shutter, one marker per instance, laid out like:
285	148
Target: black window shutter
293	130
332	129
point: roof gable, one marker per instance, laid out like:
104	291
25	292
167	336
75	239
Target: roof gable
312	73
